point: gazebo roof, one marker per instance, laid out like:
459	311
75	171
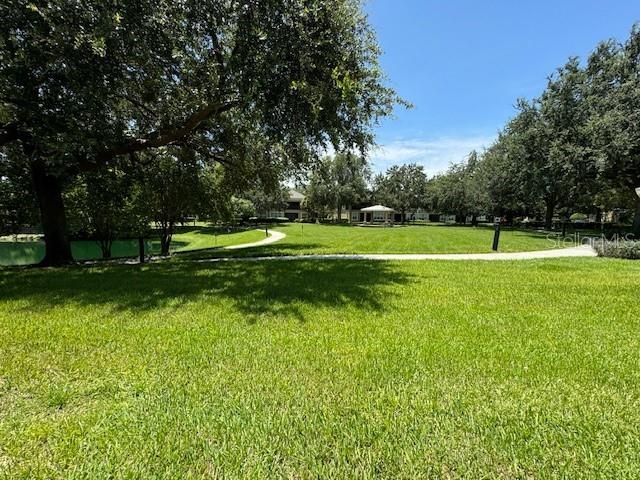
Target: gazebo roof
377	208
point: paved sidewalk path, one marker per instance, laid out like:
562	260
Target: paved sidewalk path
274	236
581	251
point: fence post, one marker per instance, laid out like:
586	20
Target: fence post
496	236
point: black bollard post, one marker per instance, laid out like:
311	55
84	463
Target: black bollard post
141	248
496	237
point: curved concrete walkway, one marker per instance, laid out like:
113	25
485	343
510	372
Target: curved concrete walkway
581	251
274	236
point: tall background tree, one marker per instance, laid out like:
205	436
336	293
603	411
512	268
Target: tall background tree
401	187
460	191
350	175
613	89
249	84
319	195
338	182
567	171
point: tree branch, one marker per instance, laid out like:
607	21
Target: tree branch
165	136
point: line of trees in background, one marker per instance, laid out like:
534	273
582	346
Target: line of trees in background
573	150
576	148
345	181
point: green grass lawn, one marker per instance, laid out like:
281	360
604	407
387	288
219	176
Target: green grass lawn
322	370
188	239
305	239
207	237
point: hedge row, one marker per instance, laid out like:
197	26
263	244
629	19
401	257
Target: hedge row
619	249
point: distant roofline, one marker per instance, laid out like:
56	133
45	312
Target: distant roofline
295	195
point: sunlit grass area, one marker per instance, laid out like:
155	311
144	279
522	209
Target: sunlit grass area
325	239
305	239
322	370
187	239
208	237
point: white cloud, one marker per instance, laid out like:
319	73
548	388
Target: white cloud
435	155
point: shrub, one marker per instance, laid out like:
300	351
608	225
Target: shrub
618	249
579	218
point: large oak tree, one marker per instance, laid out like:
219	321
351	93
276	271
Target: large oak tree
261	82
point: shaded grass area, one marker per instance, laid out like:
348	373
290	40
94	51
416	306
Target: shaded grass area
304	239
322	369
187	239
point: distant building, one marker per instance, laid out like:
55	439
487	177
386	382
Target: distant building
293	210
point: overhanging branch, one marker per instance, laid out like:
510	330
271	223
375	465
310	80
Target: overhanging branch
165	136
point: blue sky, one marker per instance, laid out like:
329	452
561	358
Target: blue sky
464	63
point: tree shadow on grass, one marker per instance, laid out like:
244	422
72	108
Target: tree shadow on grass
253	288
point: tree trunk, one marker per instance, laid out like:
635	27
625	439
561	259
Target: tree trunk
548	215
141	249
52	216
636	221
165	239
339	211
165	243
105	248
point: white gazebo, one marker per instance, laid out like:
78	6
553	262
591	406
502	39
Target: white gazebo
378	214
